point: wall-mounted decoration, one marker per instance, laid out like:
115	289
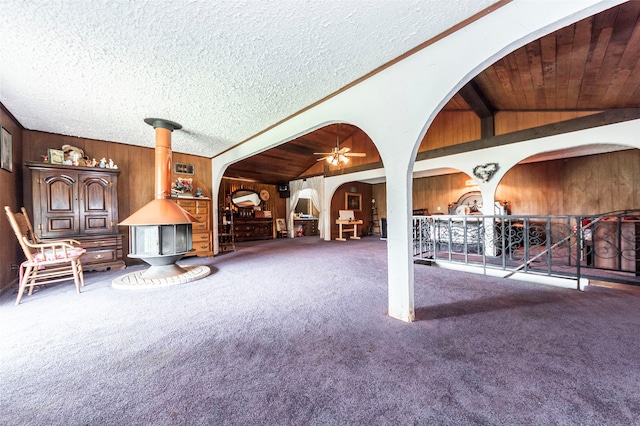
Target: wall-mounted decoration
6	150
485	172
353	201
56	156
183	169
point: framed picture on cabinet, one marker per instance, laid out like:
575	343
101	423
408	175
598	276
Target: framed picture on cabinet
6	150
56	156
353	201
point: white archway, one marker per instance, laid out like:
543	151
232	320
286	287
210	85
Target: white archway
396	106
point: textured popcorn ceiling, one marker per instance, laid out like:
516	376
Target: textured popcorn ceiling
225	70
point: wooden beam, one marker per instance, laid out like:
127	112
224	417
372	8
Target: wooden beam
588	122
472	94
478	102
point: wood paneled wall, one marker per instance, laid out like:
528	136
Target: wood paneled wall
583	185
379	193
451	128
338	203
136	181
10	195
436	193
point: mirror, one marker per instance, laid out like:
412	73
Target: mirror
245	198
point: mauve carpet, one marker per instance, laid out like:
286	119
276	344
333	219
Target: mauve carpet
295	332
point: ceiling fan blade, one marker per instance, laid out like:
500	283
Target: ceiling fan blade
323	153
355	154
324	158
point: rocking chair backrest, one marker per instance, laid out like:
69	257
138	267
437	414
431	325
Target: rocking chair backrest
21	226
33	237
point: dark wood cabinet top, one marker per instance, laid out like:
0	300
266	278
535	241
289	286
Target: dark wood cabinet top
35	165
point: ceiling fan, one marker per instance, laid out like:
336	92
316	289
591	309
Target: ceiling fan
338	156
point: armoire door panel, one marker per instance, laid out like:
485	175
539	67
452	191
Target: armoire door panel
97	224
60	225
96	194
60	192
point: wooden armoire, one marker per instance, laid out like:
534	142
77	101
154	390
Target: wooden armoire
79	203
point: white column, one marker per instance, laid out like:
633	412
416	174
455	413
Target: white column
399	252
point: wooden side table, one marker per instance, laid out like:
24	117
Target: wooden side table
354	229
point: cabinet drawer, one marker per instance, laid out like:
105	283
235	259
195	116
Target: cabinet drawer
201	247
197	212
186	203
202	217
101	242
201	226
201	236
99	256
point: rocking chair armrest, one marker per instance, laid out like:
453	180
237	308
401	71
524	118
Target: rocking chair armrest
68	241
53	245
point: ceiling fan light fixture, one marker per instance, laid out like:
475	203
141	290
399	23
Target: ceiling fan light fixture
337	159
338	156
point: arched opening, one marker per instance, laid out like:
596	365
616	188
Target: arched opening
291	175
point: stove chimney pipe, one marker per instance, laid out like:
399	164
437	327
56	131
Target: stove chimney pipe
164	160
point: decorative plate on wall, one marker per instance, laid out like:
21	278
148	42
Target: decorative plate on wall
264	195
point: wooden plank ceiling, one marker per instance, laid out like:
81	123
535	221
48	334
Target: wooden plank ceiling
593	64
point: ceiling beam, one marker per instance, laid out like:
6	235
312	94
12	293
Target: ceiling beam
479	103
590	121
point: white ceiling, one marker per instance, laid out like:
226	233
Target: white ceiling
224	69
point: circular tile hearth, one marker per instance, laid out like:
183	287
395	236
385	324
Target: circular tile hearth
134	280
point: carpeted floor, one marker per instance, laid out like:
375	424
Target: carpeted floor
295	332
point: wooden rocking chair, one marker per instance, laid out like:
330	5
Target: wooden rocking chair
46	261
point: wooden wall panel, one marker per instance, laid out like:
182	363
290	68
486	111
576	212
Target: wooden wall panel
512	121
10	195
451	128
317	169
136	181
379	193
434	194
583	185
360	142
202	167
627	193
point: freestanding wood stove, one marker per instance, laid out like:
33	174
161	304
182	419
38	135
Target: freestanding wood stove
160	232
